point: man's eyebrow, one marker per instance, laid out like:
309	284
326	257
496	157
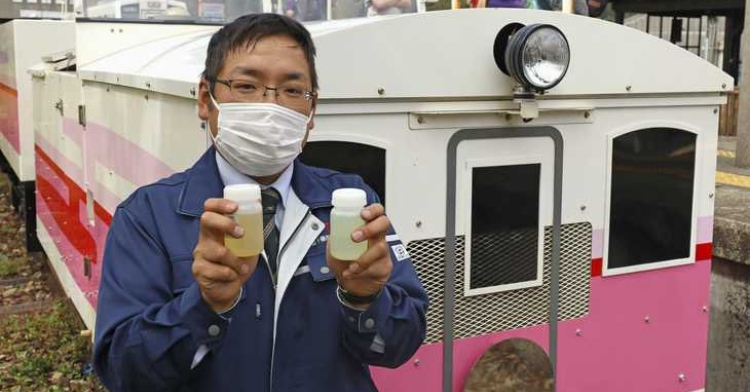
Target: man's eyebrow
257	74
246	71
295	76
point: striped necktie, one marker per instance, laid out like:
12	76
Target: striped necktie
269	199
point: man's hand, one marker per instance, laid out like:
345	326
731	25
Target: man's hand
368	274
219	273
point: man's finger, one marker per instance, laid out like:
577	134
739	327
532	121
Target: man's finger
214	225
223	256
217	273
248	265
220	206
373	230
372	211
380	270
376	252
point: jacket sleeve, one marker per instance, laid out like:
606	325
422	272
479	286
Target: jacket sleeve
391	330
147	336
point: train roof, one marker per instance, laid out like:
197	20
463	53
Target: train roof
441	55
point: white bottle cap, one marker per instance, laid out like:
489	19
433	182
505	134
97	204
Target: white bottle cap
349	198
242	192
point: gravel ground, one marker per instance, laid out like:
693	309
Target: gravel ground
41	345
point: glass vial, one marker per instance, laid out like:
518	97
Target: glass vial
345	219
249	215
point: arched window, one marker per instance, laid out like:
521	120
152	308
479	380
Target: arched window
651	201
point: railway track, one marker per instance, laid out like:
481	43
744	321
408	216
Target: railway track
42	346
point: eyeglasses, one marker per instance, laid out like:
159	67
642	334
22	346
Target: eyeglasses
290	96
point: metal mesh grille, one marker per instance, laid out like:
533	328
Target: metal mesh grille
482	314
491	254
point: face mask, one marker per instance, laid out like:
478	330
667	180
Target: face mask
259	139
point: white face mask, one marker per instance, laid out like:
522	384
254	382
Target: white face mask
259	139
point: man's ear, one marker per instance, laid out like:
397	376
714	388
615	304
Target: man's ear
205	106
311	124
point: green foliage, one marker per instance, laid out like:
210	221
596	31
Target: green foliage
9	267
44	351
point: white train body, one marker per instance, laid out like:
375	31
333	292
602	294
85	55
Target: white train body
399	91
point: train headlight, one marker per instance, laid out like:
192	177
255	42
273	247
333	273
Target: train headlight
537	56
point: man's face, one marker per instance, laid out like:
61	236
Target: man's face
276	62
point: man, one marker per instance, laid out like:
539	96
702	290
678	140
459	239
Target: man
179	312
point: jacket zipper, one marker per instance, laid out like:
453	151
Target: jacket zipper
270	274
274	280
294	233
278	258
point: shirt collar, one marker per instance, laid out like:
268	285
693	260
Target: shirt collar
231	176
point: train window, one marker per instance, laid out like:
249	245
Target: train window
651	199
503	249
362	159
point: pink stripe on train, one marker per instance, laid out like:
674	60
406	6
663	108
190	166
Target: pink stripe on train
72	169
126	158
617	351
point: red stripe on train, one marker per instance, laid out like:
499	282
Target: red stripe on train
66	215
100	212
596	267
703	252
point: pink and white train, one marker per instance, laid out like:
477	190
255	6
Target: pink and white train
616	161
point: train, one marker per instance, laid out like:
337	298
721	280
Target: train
568	207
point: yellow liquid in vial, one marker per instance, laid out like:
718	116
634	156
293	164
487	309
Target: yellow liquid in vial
251	243
342	246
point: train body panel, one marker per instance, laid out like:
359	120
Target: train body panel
23	43
637	181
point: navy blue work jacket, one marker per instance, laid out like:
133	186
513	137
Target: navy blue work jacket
284	336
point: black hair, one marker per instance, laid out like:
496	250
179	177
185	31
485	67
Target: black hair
248	30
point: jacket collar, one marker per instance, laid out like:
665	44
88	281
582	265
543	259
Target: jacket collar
309	186
204	182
